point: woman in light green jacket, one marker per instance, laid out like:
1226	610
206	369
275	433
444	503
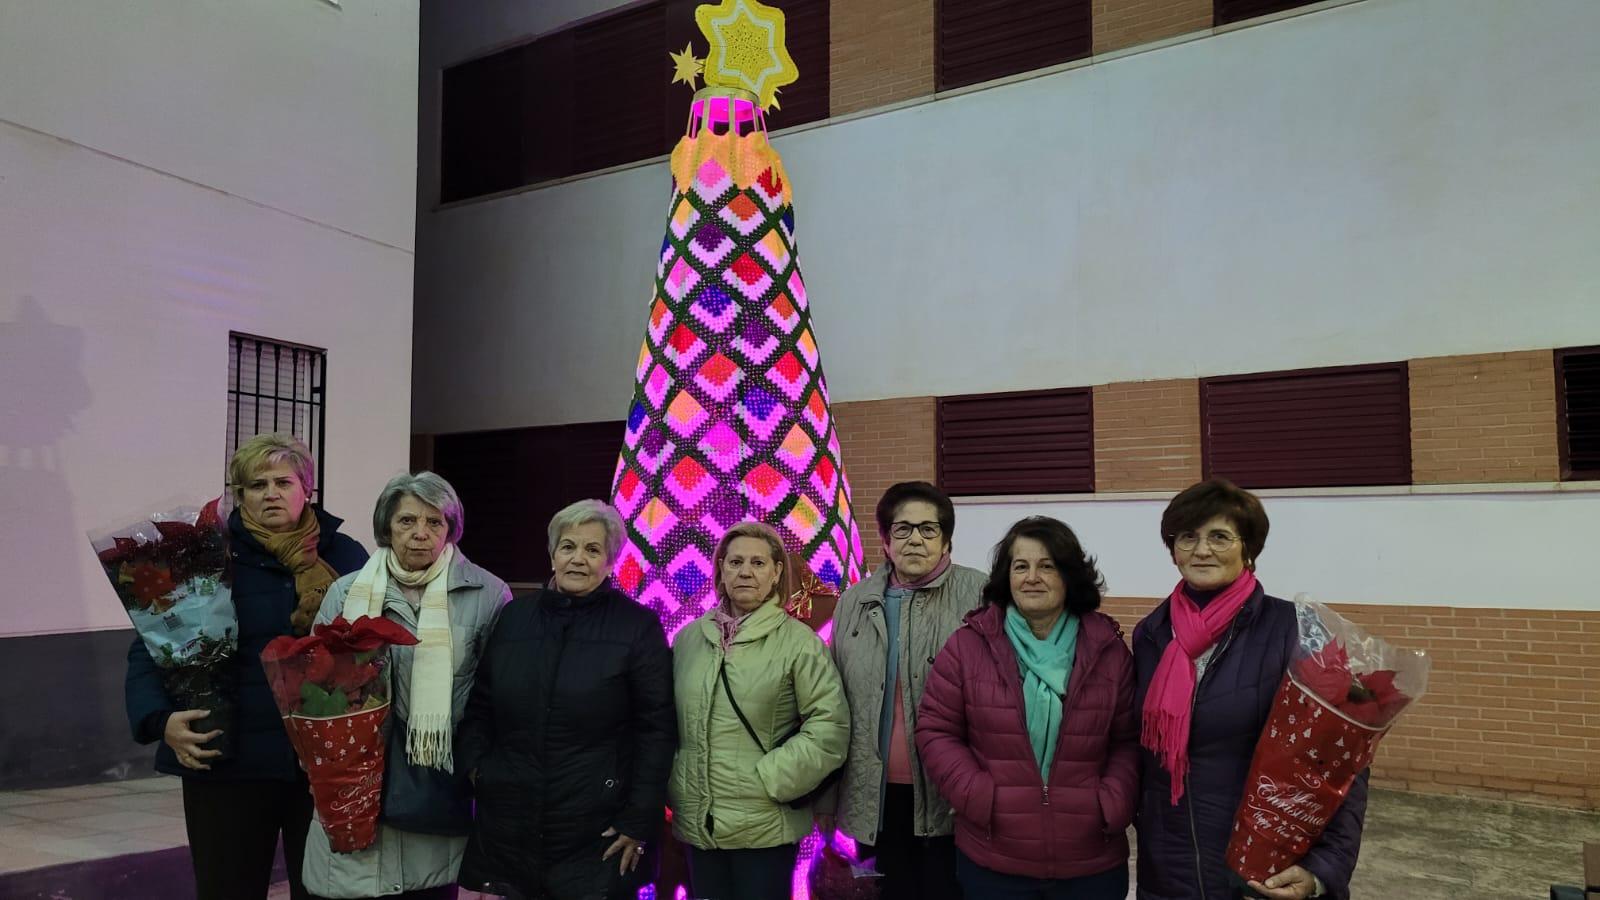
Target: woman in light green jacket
761	722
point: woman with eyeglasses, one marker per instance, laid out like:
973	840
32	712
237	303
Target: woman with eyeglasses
887	631
1209	661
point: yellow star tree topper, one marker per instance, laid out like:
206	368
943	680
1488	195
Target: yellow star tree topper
747	48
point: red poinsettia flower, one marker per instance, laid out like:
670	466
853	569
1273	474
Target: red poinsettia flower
365	634
1390	699
1326	673
149	581
285	684
121	548
350	676
176	531
319	664
210	515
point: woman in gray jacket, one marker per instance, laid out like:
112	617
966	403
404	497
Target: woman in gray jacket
887	631
420	579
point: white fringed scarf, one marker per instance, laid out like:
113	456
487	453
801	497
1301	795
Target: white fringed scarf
428	727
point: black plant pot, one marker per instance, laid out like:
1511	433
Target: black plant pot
209	688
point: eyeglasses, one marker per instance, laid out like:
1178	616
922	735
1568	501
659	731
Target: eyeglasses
902	530
1218	541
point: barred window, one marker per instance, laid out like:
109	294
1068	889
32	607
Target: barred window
277	386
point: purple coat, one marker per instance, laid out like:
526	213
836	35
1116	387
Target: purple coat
1181	847
972	734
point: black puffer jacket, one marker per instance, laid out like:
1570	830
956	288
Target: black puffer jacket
571	729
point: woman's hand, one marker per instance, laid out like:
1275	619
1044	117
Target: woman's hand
632	851
186	743
1293	883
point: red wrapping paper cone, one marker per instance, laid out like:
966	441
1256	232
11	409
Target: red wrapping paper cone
343	757
1304	765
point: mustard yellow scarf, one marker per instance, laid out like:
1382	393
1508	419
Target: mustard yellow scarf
297	550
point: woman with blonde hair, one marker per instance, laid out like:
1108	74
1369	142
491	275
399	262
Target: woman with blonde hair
762	719
283	554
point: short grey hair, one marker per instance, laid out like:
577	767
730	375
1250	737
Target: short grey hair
430	489
582	513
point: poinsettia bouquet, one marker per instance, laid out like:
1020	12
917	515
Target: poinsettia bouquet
167	569
1342	693
332	687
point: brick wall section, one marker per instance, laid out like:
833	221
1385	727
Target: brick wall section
1147	435
883	442
1484	418
881	53
1513	704
1127	23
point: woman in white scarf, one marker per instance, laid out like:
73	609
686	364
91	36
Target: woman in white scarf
419	578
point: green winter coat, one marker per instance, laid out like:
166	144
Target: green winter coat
725	794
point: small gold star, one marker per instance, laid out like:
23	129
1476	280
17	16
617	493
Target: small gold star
686	67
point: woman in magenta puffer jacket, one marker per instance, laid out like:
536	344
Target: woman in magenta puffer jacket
1036	681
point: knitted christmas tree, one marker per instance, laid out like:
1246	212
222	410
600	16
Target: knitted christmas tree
730	417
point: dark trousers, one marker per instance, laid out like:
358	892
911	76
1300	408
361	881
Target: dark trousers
764	874
234	828
1112	884
443	892
913	868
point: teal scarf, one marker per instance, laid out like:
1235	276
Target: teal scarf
1045	666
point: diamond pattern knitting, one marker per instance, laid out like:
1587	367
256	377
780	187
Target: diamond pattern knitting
730	417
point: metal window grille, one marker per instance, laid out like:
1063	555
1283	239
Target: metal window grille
277	386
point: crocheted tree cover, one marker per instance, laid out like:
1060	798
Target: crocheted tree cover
730	417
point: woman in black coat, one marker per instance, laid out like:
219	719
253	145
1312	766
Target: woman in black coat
282	555
570	729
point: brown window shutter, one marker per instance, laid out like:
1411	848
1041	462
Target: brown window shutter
806	23
620	88
512	482
1349	425
981	40
1578	412
1024	442
1225	12
504	124
480	138
484	469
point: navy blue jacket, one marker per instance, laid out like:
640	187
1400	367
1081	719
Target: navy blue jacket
263	594
1181	847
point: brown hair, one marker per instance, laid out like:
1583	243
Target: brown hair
1199	503
1079	575
910	491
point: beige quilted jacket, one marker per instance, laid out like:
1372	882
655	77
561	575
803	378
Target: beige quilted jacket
860	640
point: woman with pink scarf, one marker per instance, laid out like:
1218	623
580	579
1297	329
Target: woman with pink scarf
1209	661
